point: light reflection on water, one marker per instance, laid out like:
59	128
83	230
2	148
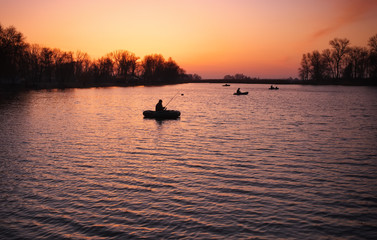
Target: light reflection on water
300	163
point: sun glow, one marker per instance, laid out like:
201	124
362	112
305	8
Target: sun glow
211	38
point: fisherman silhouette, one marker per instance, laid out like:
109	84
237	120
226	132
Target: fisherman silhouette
159	106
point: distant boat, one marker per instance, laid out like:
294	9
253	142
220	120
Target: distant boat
273	88
167	114
240	93
226	85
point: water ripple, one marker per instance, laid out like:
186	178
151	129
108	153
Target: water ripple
293	164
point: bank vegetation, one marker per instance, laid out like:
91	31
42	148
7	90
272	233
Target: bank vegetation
33	66
342	63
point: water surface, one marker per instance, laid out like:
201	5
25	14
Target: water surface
297	163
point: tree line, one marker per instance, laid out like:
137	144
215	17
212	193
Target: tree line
342	63
31	65
237	76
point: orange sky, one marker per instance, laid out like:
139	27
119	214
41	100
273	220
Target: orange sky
259	38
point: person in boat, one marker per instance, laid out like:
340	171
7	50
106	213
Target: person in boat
159	106
238	91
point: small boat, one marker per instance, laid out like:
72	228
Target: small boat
167	114
240	93
226	85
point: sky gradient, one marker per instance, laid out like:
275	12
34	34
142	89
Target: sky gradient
213	38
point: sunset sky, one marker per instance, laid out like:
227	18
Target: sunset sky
259	38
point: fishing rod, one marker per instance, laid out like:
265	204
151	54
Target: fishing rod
171	99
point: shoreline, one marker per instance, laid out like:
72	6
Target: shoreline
364	82
47	86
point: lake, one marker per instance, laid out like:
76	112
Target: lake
295	163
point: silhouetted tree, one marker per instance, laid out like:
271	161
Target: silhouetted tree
46	64
12	54
152	66
329	63
172	71
317	66
34	73
82	68
63	67
357	63
237	76
156	70
340	48
372	43
106	68
125	64
304	70
195	77
241	76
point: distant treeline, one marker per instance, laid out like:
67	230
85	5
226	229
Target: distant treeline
238	76
341	64
30	65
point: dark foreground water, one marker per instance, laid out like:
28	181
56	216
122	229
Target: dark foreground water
297	163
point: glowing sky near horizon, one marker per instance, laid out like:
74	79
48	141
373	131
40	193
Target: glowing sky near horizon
213	38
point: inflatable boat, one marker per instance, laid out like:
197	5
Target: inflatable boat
167	114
